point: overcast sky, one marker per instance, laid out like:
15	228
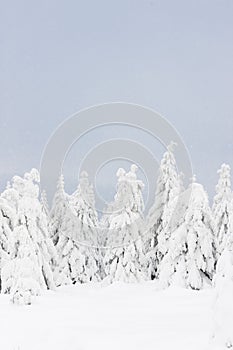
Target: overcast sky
60	56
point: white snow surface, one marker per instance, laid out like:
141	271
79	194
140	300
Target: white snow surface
118	316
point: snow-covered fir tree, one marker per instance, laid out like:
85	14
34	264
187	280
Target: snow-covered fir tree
7	221
159	217
125	258
128	207
223	208
21	275
190	259
82	202
58	210
77	244
44	203
31	250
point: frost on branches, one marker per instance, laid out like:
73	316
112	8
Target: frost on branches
31	251
223	208
190	259
160	215
124	259
77	241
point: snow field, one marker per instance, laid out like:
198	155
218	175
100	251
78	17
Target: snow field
120	316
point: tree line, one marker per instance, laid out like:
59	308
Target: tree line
179	242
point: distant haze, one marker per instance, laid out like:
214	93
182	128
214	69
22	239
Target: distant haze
58	57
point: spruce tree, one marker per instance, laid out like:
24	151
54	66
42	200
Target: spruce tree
44	203
223	208
125	258
190	259
7	221
58	211
159	217
78	238
31	250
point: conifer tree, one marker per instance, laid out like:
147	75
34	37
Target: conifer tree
190	259
223	208
159	217
78	238
30	247
44	203
125	259
7	221
58	212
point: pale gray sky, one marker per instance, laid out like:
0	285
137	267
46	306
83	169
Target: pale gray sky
60	56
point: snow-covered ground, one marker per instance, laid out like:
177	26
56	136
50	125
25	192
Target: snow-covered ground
119	316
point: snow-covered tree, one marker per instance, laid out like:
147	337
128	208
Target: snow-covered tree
190	259
159	217
127	208
58	211
82	202
22	276
29	241
223	208
125	264
77	244
44	203
7	220
125	259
